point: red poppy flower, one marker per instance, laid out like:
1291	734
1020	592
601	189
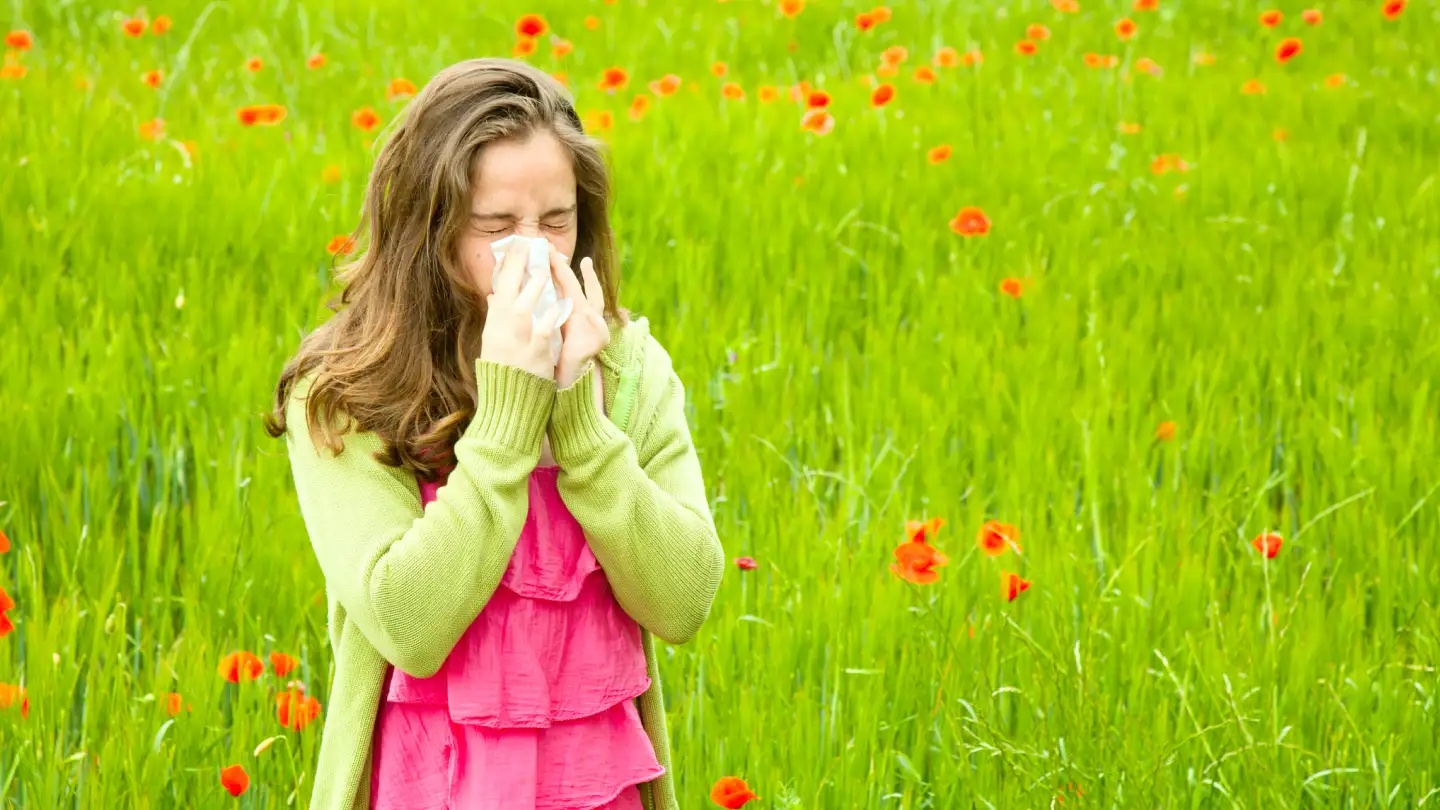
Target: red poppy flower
531	25
882	95
270	114
280	662
1312	16
152	130
916	561
1288	49
6	604
248	115
746	563
19	40
665	85
924	74
160	25
560	48
365	119
731	792
938	154
719	69
1125	29
994	538
294	710
817	121
972	58
316	61
1037	32
881	14
4	543
340	245
614	78
524	46
792	8
399	88
1012	287
1026	48
1268	544
767	93
1168	162
1393	9
864	21
639	106
1165	431
1011	585
133	27
11	695
817	99
234	780
172	704
1147	5
970	221
946	57
239	665
732	91
152	78
254	64
894	55
923	531
1271	18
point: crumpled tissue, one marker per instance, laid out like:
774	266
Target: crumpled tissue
550	306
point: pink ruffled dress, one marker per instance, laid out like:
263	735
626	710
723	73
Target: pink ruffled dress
534	707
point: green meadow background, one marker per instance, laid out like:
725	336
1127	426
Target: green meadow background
850	363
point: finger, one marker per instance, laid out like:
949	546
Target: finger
512	270
565	276
526	300
594	293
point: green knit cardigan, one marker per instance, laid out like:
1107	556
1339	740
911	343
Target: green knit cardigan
404	582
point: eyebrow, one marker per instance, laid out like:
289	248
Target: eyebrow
554	212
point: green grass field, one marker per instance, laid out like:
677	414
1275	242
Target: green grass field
852	363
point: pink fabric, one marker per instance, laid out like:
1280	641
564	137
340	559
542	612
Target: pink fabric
534	707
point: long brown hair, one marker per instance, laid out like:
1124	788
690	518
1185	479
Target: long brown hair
398	356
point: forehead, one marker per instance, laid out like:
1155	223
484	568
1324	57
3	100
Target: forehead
537	170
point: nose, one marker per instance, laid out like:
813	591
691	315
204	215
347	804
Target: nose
528	229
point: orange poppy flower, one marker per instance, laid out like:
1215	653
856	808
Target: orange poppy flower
12	69
946	57
1271	18
316	61
601	120
560	48
160	25
133	27
152	130
731	792
1125	29
365	119
719	69
254	64
817	99
767	93
887	71
1254	87
1165	431
1280	135
11	695
792	8
331	173
1146	5
1168	162
1026	48
1065	6
1204	59
1393	9
234	780
524	46
882	95
614	78
248	115
666	85
172	704
1147	65
923	531
152	78
1335	80
280	662
1012	287
1011	585
6	604
531	25
1288	49
972	58
19	40
916	561
994	538
894	55
818	121
732	91
294	710
399	88
270	114
924	74
239	665
970	221
339	245
864	21
1037	32
1268	544
4	542
938	154
1312	16
639	106
592	22
1092	60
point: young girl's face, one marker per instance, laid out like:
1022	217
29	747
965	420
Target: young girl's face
525	187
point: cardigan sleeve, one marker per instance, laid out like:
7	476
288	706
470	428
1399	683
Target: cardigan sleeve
645	511
412	579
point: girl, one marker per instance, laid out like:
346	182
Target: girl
501	534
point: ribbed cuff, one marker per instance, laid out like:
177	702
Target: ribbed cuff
578	427
512	407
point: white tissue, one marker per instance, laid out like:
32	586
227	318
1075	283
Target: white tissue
537	263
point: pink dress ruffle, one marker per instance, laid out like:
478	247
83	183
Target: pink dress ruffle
534	708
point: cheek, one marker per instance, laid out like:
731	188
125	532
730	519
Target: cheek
565	243
478	260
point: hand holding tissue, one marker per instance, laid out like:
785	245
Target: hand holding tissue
550	307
